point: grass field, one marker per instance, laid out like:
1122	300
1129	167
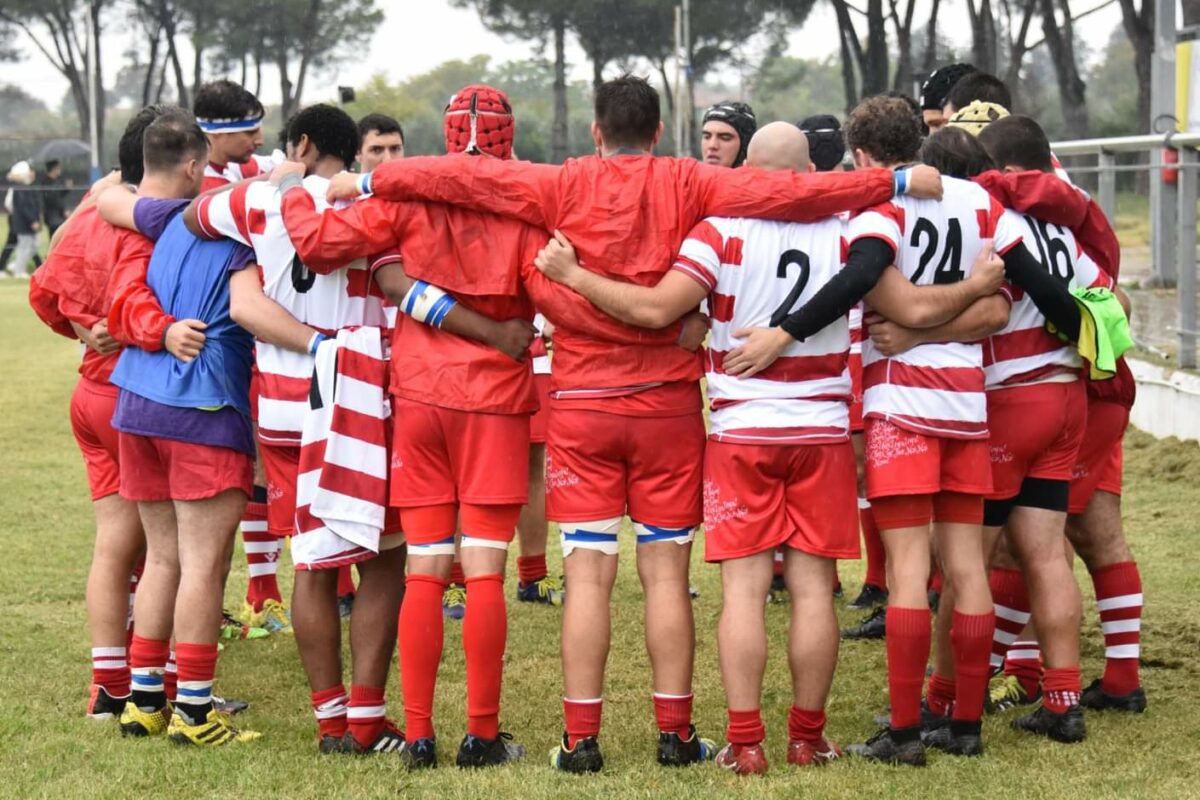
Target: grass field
48	748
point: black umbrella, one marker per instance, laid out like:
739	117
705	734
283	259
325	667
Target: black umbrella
62	150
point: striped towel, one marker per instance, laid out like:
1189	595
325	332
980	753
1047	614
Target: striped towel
341	492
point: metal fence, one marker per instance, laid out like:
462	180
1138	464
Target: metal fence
1172	211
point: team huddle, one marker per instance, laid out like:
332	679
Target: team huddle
924	348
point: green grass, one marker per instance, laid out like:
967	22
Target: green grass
47	748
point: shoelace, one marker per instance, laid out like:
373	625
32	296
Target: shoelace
454	596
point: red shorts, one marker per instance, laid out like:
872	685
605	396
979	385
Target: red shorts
917	511
1035	433
1098	465
600	464
760	497
443	455
156	469
900	462
282	466
430	529
92	405
541	418
856	393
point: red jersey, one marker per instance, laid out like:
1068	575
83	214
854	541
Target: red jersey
626	215
475	257
1053	199
71	285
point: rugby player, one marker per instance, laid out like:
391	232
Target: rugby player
725	133
934	91
185	440
70	298
231	118
617	407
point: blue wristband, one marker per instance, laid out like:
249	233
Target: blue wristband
315	342
901	181
364	183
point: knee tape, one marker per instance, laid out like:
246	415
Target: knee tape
599	535
649	534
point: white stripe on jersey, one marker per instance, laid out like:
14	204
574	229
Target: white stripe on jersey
754	268
934	389
251	214
1023	352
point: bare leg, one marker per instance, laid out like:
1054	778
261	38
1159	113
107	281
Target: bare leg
587	621
375	616
206	530
1053	594
670	629
742	630
119	544
813	635
154	603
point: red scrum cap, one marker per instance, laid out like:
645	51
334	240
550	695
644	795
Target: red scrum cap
479	119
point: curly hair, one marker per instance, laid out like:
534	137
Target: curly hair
885	128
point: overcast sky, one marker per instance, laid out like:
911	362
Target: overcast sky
408	44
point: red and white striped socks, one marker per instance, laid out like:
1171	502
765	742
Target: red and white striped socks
1010	599
366	714
110	670
1119	600
1024	662
329	707
262	552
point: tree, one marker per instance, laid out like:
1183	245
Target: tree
58	29
1060	40
537	20
792	88
303	36
983	34
1016	36
872	60
1139	27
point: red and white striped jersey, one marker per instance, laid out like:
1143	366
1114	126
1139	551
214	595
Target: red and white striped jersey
343	298
1023	352
755	270
936	389
215	176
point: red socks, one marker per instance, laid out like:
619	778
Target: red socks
365	715
110	670
1119	599
673	713
329	707
805	725
873	544
745	727
262	553
420	638
456	574
908	641
971	637
582	719
1062	689
345	582
147	662
1010	599
197	668
484	633
531	569
1024	662
940	694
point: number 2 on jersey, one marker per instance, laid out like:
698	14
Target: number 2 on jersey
949	268
788	258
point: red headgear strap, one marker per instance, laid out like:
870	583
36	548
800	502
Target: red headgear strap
479	119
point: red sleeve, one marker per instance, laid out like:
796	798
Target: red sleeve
45	302
328	241
786	195
517	189
135	317
571	310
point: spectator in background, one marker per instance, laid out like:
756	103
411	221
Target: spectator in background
54	197
25	218
10	240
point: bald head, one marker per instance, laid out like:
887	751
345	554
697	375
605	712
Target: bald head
779	145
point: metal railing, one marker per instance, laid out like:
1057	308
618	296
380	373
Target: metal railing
1172	212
